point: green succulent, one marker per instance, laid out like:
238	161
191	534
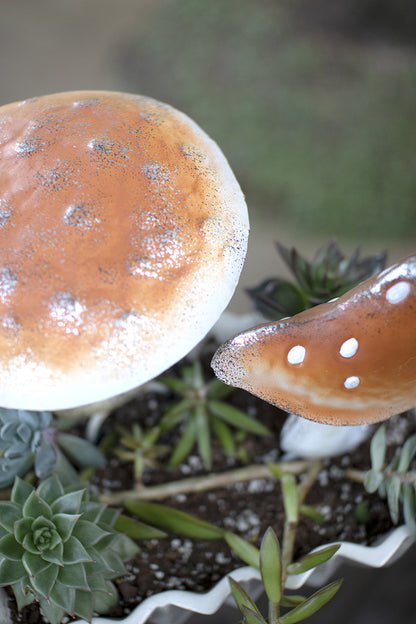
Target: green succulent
59	548
329	275
201	409
30	439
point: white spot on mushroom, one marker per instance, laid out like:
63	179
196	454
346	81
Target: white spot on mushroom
349	348
8	283
398	292
81	216
67	311
5	213
296	354
351	382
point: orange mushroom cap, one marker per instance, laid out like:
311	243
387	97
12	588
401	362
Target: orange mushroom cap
122	235
349	361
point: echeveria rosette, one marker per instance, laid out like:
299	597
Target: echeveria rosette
25	440
31	440
60	548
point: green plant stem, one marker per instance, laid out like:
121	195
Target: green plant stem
274	611
289	529
202	483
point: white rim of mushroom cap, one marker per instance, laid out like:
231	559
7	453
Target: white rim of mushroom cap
115	260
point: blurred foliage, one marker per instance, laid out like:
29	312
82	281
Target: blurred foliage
318	127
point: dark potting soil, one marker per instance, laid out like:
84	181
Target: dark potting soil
247	508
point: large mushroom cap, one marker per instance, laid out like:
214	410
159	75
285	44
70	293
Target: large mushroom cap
346	362
122	236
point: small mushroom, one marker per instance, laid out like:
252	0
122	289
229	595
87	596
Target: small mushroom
122	236
349	361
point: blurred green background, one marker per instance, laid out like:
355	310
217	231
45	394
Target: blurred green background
312	101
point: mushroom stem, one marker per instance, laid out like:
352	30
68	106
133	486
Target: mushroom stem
203	483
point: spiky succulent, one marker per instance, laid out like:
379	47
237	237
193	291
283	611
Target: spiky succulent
30	439
60	548
329	275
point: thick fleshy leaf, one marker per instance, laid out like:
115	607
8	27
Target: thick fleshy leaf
50	490
378	449
174	520
55	555
35	506
393	495
270	566
65	524
92	511
10	548
108	516
53	612
83	605
241	596
409	507
11	571
124	547
82	452
74	552
43	581
45	460
290	496
313	559
73	576
407	454
311	604
34	564
373	480
244	549
9	513
21	528
68	503
103	601
88	533
252	617
64	597
114	562
22	594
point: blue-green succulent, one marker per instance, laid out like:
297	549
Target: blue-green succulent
31	440
60	548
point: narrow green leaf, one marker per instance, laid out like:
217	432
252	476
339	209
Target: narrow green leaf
270	566
393	495
312	513
237	418
185	444
378	449
218	390
251	617
203	435
290	496
313	559
373	480
311	604
241	596
247	552
175	414
137	530
174	383
224	435
409	507
407	454
173	520
292	600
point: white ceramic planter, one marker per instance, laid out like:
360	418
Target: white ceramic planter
177	606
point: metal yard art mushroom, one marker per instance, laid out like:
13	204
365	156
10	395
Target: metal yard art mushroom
122	235
346	362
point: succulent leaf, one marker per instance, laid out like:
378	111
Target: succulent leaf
51	554
327	276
